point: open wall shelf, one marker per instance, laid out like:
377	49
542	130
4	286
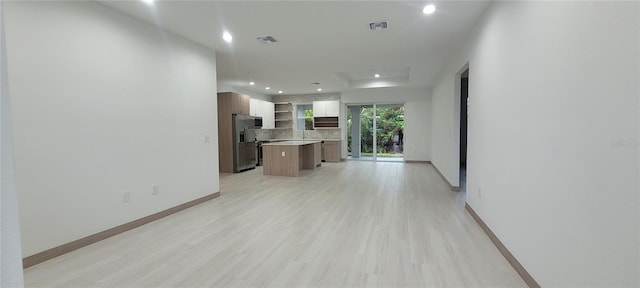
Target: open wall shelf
325	122
283	115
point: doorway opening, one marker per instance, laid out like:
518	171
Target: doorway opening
464	105
375	132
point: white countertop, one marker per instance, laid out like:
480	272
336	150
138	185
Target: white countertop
292	143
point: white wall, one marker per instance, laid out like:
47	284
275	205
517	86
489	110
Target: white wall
553	136
103	104
444	143
417	132
10	248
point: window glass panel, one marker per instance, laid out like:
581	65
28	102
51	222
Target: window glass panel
304	117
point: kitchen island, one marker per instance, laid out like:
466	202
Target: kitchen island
287	158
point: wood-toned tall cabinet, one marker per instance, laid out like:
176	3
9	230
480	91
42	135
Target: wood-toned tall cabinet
228	104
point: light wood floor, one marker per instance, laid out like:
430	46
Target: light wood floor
347	224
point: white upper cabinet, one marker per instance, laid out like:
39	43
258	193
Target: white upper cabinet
264	109
254	107
333	108
330	108
319	109
268	117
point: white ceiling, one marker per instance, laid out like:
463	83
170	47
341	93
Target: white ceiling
319	41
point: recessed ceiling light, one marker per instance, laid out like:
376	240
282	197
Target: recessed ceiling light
252	83
148	1
429	9
319	89
227	36
267	87
280	92
376	75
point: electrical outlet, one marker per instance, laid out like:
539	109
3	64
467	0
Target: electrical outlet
156	190
207	139
479	192
126	197
283	154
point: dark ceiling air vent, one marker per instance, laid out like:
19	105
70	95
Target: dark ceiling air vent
267	39
380	25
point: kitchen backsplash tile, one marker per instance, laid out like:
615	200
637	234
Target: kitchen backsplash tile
264	134
307	134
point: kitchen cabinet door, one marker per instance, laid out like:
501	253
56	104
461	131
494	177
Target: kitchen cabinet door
264	109
240	104
254	107
332	151
330	108
244	99
268	115
319	109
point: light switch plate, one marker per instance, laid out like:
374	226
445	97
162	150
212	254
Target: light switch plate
283	154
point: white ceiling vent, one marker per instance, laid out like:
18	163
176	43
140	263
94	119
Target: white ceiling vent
267	39
379	25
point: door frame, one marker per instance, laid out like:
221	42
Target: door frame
455	157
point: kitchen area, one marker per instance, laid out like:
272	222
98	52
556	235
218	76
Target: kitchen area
285	135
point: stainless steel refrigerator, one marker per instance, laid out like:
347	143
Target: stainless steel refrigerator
244	142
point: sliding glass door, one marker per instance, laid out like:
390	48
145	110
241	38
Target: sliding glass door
375	132
360	132
389	132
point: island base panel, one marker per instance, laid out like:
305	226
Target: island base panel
276	164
